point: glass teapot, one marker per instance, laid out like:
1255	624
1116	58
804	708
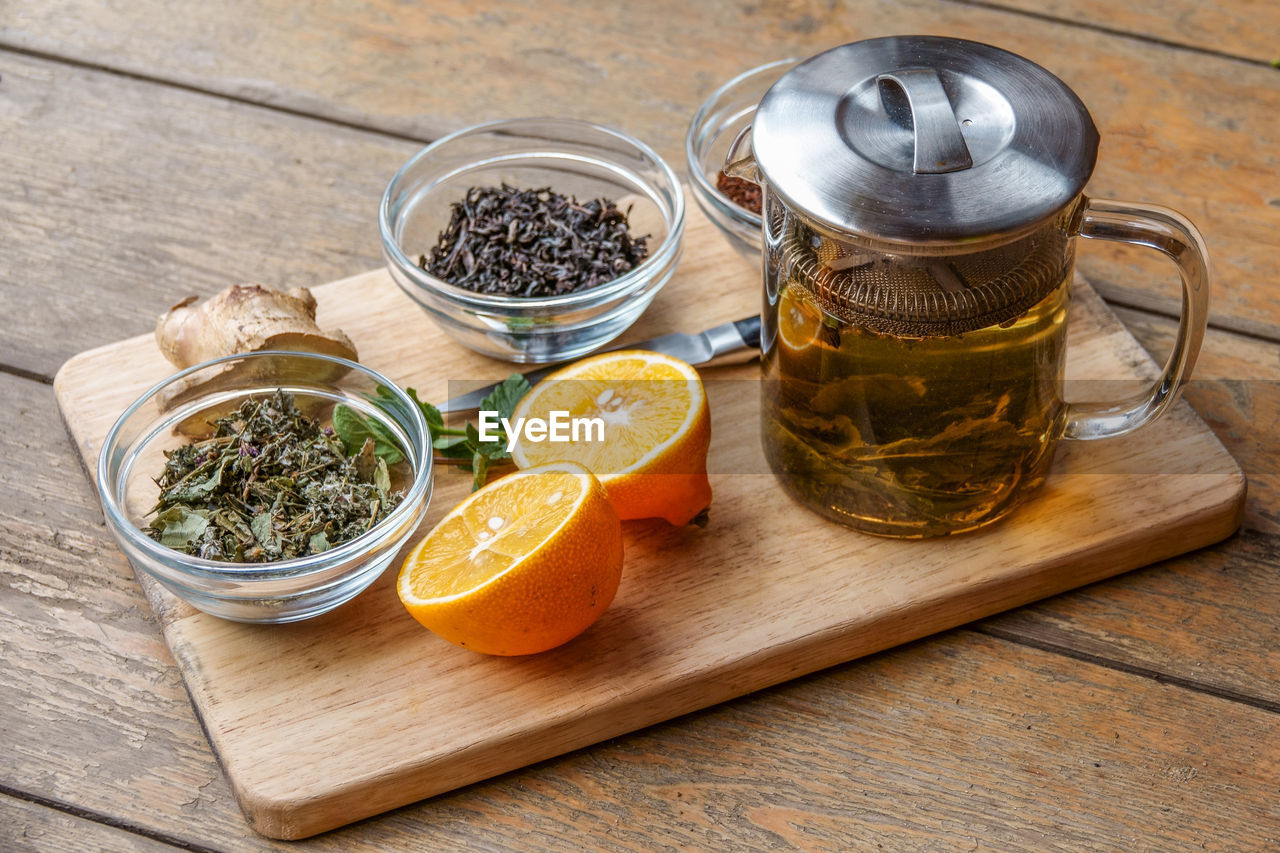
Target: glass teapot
922	196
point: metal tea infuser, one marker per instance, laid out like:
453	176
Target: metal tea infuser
922	196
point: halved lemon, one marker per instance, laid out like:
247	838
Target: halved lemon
521	566
650	450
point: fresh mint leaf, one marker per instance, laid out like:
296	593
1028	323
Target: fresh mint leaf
452	447
503	398
386	447
494	450
351	428
354	429
384	393
435	420
463	445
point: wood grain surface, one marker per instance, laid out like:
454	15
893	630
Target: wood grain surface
1186	129
29	826
1128	621
95	717
98	237
706	615
187	797
250	195
1243	28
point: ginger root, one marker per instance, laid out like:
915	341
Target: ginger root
246	318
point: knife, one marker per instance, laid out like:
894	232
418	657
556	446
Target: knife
695	349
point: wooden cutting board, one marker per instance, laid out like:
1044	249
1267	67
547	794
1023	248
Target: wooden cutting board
361	710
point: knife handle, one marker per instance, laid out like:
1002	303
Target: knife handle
750	330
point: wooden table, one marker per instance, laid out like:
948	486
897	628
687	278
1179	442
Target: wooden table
147	152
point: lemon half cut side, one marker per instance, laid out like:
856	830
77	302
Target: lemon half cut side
523	565
652	455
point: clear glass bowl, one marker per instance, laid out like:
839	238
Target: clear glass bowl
714	126
570	157
177	410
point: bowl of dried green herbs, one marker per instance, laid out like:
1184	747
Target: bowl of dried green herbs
268	486
533	240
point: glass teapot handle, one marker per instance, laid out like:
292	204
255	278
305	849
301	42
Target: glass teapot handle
1169	232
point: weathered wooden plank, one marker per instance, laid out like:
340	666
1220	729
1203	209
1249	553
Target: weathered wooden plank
1228	593
955	743
1243	28
231	192
171	193
421	71
33	828
95	714
853	753
873	749
511	804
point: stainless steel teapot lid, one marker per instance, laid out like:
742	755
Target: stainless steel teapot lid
923	140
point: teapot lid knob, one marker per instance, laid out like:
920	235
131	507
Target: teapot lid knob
915	97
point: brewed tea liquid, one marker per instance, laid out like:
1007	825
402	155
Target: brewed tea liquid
911	437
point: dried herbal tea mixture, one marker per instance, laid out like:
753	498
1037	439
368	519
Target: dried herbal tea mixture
514	242
269	484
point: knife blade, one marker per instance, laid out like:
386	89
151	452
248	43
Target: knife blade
696	349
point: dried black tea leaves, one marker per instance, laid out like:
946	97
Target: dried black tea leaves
269	484
513	242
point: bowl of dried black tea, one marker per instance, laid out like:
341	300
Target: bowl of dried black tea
533	240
